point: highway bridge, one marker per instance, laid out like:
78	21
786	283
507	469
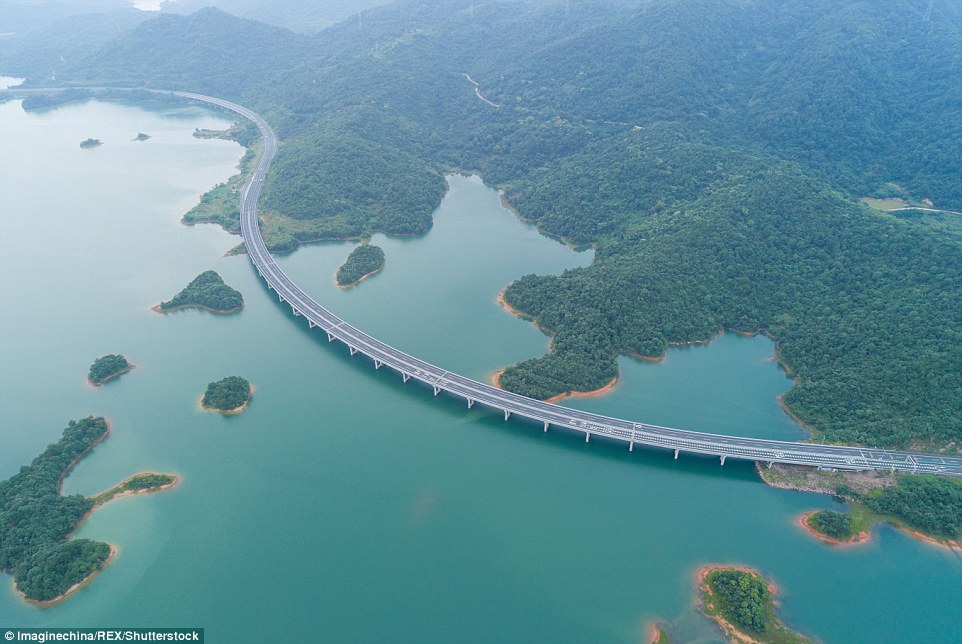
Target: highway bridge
547	414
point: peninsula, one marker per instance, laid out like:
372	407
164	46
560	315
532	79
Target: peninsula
206	291
47	565
364	261
229	395
836	528
924	506
107	368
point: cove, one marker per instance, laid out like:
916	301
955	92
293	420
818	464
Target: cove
344	505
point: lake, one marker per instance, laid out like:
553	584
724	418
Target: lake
344	505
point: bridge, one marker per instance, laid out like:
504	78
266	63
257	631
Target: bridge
547	414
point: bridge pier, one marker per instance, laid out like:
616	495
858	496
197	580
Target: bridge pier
405	377
546	425
587	436
330	338
295	312
631	446
377	363
352	349
437	390
676	454
310	324
770	463
507	414
723	459
280	297
470	403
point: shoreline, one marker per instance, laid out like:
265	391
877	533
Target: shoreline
131	366
46	603
227	412
181	307
126	493
856	539
950	544
706	594
70	467
344	287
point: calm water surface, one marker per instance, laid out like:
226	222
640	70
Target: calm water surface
344	505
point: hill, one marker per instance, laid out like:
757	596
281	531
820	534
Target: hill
713	152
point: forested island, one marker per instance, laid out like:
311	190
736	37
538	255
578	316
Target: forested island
36	521
229	395
108	367
90	143
743	605
206	291
364	261
141	137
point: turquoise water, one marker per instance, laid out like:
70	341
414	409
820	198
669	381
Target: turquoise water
344	505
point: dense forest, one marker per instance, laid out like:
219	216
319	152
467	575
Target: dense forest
837	525
744	600
35	519
930	504
207	291
713	152
227	394
107	368
364	260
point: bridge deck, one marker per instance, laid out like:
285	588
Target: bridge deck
753	449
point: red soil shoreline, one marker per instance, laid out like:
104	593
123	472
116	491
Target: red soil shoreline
728	628
181	307
855	539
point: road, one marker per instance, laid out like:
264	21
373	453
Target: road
548	414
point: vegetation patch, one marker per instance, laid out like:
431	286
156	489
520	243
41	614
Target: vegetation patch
229	395
107	368
364	261
36	521
743	604
221	204
206	291
136	484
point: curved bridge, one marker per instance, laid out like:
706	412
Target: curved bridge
474	392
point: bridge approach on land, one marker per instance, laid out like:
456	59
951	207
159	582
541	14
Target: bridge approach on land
548	414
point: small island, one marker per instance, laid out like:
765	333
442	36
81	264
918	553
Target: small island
46	564
107	368
364	261
90	143
141	137
743	604
229	395
836	527
206	291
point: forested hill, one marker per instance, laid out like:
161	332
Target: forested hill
712	151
